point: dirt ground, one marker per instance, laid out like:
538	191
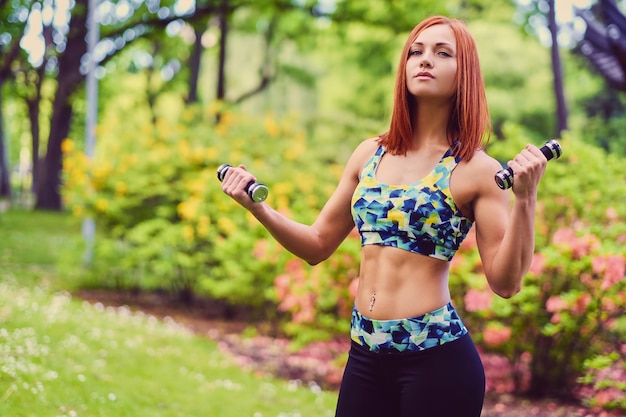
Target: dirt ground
316	364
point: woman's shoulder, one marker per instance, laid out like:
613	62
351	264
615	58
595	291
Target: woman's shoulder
483	164
369	145
480	171
475	180
362	153
366	149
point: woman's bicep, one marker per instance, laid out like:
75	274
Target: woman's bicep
491	216
491	212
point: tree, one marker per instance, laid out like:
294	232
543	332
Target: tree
66	56
69	78
559	92
544	11
9	53
147	21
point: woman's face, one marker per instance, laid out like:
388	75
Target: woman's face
431	65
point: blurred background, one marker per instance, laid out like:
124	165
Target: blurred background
114	116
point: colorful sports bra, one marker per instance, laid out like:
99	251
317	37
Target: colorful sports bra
420	217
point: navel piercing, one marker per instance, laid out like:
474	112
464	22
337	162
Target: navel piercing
372	300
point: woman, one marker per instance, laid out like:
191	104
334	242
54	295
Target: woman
413	193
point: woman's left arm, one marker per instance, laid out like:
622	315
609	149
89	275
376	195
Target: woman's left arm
506	235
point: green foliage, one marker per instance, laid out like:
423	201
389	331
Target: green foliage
585	185
35	263
604	124
604	381
513	95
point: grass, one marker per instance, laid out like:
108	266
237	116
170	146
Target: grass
31	245
60	356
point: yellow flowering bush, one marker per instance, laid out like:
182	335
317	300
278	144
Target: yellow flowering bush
163	221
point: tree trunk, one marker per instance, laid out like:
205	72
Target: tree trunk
33	113
34	109
5	180
69	79
561	106
151	93
195	60
5	73
49	183
221	81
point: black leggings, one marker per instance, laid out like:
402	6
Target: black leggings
443	381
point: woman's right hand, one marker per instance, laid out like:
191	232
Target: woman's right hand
235	183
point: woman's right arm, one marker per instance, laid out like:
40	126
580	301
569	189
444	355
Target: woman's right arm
316	242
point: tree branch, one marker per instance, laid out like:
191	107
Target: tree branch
266	71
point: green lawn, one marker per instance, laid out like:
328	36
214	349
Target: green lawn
62	357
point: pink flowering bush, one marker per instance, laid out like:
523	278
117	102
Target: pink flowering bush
319	299
564	333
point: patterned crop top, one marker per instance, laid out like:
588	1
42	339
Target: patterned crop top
420	217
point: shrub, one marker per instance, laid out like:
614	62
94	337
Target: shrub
163	221
569	317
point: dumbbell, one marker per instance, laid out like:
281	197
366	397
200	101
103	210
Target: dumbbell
551	150
258	192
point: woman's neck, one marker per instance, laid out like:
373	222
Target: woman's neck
430	124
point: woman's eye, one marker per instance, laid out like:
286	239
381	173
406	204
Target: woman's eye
415	52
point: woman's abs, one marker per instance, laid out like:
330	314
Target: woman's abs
396	284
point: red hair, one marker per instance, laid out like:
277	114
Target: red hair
469	119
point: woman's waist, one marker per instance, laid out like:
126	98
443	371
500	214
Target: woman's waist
415	333
382	304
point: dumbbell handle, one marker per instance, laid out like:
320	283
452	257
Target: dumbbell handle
256	191
551	150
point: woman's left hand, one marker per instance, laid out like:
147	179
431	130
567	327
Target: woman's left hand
528	167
